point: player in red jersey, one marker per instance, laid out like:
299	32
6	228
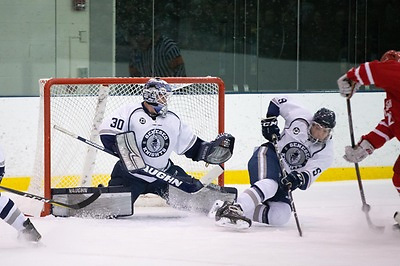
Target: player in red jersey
386	75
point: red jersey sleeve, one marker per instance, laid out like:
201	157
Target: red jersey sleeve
380	135
385	75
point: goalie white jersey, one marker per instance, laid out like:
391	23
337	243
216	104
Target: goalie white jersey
299	151
156	138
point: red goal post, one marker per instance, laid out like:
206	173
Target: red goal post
80	104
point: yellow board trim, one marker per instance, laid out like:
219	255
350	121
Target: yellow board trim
19	183
242	176
332	174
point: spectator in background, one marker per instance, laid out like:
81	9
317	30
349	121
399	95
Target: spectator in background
165	61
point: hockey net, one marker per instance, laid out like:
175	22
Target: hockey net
79	106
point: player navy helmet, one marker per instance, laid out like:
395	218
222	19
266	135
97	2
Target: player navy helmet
323	122
325	118
156	92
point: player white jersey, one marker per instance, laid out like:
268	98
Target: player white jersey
156	138
299	151
2	158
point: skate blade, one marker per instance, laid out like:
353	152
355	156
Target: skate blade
239	225
396	227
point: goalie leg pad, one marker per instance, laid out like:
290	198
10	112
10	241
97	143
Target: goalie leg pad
113	202
202	201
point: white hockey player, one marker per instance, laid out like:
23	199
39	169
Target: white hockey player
306	146
157	133
10	213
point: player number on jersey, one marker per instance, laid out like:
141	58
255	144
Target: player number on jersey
117	123
316	171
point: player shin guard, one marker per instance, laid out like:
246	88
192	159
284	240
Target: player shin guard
272	213
11	214
253	196
249	199
261	213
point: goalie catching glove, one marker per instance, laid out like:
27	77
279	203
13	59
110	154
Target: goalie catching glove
217	151
128	151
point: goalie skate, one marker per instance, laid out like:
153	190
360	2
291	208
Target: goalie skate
231	215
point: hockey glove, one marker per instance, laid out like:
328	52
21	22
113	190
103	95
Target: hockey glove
217	151
270	128
359	152
346	86
293	180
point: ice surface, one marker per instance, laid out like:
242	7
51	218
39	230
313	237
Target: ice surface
335	232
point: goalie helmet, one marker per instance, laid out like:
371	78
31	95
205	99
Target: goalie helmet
324	120
156	92
391	55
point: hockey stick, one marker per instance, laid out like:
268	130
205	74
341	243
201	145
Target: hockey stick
365	206
284	174
176	181
75	206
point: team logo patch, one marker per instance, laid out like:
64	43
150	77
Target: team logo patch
142	120
155	143
296	155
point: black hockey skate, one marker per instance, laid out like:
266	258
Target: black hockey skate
396	217
29	233
231	215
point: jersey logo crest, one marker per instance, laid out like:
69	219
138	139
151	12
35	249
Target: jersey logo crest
155	143
296	155
296	130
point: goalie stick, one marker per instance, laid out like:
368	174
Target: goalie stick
176	181
75	206
365	206
284	174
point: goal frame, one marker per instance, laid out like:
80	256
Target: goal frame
112	80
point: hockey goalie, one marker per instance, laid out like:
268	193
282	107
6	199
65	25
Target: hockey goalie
144	135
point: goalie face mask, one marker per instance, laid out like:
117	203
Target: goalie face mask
156	92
